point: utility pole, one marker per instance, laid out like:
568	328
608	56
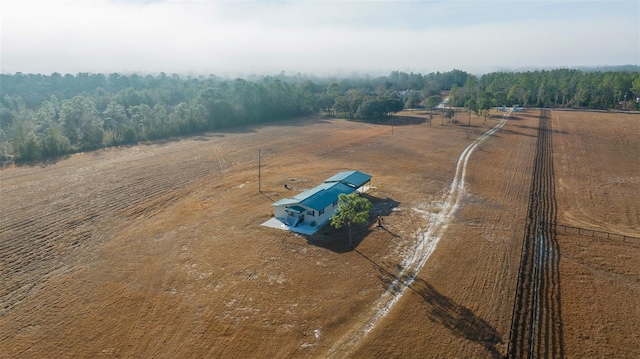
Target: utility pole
259	178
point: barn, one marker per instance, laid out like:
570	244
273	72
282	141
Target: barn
312	209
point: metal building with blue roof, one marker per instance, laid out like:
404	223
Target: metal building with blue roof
355	179
312	209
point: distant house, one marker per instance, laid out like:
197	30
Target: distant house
314	207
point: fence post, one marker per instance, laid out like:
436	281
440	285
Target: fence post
593	232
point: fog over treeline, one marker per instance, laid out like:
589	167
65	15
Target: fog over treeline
47	116
321	37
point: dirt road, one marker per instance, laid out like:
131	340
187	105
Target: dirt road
425	245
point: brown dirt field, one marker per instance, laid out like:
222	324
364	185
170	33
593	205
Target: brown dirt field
597	160
461	303
156	250
597	164
600	288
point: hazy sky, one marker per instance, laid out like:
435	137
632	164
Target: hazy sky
338	37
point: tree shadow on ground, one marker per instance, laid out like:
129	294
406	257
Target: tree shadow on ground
380	206
513	117
457	318
395	120
511	132
440	309
521	116
406	120
44	163
204	136
544	130
220	132
300	121
337	240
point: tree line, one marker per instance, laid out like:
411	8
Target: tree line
553	88
48	116
44	116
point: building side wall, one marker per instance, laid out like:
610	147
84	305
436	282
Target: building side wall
279	212
320	218
364	188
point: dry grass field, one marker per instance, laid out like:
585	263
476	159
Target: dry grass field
156	250
597	159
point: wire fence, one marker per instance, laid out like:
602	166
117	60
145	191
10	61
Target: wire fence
563	228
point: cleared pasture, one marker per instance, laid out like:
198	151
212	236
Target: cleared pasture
157	250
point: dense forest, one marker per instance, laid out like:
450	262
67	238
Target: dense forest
45	116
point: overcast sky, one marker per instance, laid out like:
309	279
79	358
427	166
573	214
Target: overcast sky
314	37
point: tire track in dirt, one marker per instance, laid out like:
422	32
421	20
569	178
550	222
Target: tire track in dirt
536	325
425	245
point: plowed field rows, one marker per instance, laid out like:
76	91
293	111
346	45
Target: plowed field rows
73	208
157	250
536	325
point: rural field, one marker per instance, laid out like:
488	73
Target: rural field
157	250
